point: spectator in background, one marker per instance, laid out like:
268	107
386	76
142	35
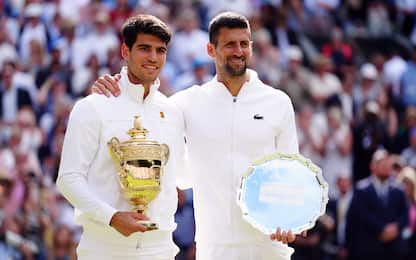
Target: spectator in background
409	154
295	78
408	83
337	146
33	29
185	232
354	16
62	246
12	96
366	90
323	83
266	58
102	33
311	131
83	77
345	97
401	141
388	113
243	7
281	35
120	13
197	76
378	59
182	54
378	19
38	57
368	135
321	14
338	50
378	214
7	49
393	69
337	210
407	178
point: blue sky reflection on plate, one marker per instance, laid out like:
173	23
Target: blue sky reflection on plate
289	196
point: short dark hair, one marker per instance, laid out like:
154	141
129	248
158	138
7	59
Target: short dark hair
229	20
146	24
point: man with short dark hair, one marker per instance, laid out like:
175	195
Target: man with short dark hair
88	177
377	215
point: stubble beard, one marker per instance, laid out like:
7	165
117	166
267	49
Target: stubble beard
236	72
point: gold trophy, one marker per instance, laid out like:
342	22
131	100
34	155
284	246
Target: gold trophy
140	163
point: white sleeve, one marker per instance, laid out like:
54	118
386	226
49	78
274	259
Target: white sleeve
182	100
287	139
80	147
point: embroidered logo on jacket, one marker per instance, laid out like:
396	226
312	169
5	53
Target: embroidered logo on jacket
258	117
162	115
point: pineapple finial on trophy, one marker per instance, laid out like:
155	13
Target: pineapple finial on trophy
137	132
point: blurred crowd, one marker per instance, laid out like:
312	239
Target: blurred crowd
351	100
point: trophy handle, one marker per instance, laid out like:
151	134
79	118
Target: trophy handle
115	152
165	153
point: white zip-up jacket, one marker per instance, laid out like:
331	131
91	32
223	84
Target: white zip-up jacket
87	175
224	135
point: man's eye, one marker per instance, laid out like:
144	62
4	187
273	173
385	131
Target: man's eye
244	44
162	51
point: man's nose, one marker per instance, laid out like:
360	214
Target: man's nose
152	56
238	50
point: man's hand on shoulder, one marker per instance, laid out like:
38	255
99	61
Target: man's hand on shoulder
107	85
126	222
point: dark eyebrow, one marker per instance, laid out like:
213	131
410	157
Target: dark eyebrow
143	45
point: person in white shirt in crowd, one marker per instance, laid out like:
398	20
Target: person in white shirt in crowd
367	88
337	148
34	29
230	121
393	69
87	175
311	130
7	49
323	83
189	42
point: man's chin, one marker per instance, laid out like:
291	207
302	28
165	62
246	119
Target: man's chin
236	72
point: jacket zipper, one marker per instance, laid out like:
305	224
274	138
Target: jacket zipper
233	125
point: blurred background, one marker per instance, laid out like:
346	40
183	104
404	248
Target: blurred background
349	67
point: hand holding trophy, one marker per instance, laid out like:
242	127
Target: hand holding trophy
140	163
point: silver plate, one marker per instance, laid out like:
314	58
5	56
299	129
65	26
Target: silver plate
285	191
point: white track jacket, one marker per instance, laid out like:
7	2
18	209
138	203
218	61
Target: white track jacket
224	135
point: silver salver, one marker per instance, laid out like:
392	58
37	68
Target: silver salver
285	191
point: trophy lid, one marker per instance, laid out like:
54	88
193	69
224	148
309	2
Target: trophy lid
139	147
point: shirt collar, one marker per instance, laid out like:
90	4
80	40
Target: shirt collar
136	91
381	187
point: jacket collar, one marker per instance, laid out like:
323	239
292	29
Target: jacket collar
136	91
218	88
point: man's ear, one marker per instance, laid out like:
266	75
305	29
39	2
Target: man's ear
211	50
125	51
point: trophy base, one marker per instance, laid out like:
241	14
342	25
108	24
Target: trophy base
148	224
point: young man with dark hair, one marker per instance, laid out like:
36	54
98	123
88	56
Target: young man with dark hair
229	122
88	177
